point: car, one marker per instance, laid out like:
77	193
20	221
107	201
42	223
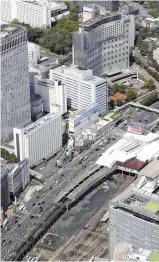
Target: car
68	180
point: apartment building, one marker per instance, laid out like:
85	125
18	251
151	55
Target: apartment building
39	140
134	214
83	89
52	92
102	44
15	91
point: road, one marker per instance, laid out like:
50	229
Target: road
46	198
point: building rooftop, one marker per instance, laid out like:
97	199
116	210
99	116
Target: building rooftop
39	123
101	19
141	199
154	256
131	151
151	170
8	29
117	96
79	72
125	252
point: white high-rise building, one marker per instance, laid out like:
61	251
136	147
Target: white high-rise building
34	13
52	92
83	89
102	44
15	91
39	140
37	13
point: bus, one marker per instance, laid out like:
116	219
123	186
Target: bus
21	207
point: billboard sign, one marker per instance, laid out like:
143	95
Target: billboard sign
83	117
135	130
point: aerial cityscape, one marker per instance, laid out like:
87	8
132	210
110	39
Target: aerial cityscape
79	130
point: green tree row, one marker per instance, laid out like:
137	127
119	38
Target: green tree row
147	101
117	88
57	39
154	12
7	156
147	32
155	75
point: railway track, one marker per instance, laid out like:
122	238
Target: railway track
43	226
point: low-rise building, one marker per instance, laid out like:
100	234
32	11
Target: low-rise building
79	121
33	53
151	22
18	176
40	140
150	43
90	11
156	55
52	92
5	197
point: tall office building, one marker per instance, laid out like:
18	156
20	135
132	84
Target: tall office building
102	44
110	5
39	140
5	198
52	92
134	214
15	91
83	89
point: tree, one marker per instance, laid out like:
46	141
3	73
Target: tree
118	88
150	84
7	156
59	48
119	103
147	101
137	61
131	95
57	38
112	104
